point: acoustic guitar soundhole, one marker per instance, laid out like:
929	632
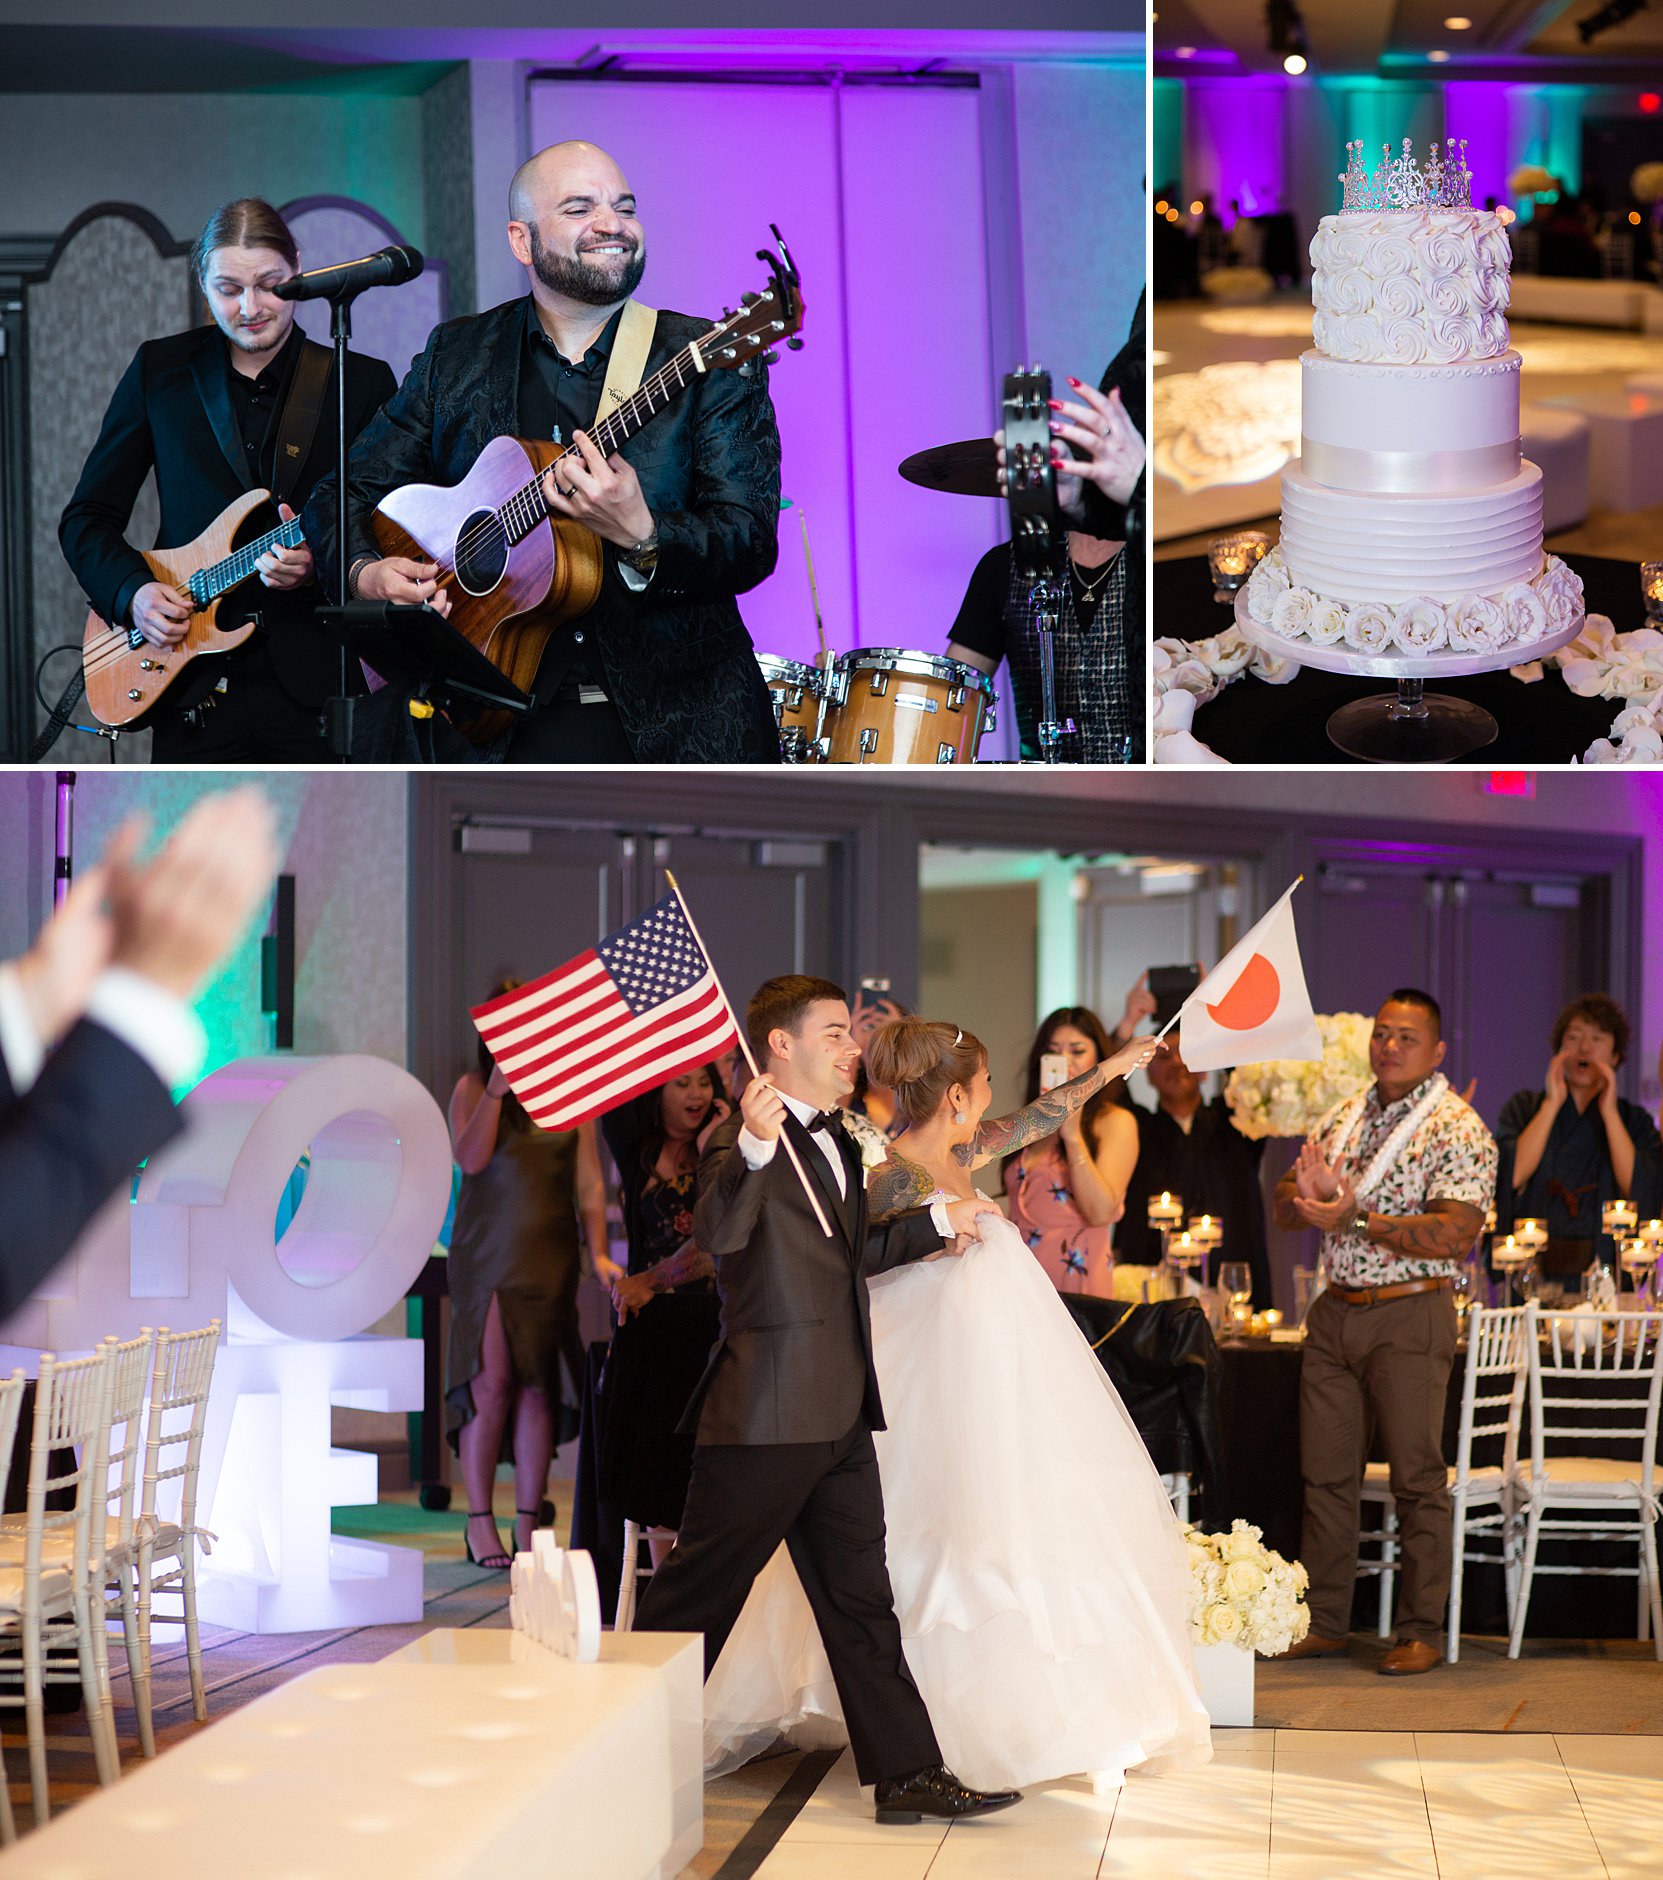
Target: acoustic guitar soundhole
481	552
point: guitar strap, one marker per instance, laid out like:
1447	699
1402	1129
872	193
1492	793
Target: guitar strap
298	424
629	357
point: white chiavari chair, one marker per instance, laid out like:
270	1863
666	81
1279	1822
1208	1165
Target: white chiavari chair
51	1595
1596	1379
11	1405
166	1534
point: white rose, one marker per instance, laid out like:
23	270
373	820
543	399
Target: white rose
1422	626
1368	627
1272	670
1560	592
1234	654
1292	613
1244	1579
1325	624
1264	585
1243	1542
1477	624
1634	679
1192	676
1522	610
1221	1625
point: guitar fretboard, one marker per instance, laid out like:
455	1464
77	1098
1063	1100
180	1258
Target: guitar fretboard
207	584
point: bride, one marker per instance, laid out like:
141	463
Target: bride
1039	1573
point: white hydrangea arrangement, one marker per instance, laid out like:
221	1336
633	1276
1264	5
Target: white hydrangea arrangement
1519	615
1284	1097
1243	1593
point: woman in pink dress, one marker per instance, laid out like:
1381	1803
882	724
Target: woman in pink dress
1067	1190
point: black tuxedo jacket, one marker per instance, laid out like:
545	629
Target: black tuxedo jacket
172	412
794	1360
95	1112
678	662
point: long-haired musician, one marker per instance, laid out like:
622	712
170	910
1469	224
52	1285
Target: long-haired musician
206	410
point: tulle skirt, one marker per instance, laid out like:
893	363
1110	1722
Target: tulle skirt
1040	1577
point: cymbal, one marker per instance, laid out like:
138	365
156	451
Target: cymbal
967	469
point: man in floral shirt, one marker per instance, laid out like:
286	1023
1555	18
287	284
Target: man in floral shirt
1398	1180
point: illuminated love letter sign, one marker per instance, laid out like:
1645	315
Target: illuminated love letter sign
200	1241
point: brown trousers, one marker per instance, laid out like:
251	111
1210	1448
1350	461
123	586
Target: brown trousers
1378	1368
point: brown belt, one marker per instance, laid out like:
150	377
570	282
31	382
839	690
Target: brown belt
1380	1295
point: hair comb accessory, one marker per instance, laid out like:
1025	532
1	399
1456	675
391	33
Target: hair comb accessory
958	1036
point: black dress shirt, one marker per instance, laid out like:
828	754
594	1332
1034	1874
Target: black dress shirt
257	403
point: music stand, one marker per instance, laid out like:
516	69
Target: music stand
417	650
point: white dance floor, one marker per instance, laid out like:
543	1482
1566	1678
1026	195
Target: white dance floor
1285	1805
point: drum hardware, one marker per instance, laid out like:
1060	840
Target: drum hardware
1036	540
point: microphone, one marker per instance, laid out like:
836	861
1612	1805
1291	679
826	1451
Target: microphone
387	267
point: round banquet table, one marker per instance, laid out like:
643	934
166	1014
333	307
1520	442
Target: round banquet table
1258	1415
1254	723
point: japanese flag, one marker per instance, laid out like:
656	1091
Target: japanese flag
1253	1004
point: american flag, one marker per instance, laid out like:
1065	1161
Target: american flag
627	1015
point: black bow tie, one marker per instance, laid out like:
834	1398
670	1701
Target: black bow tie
824	1119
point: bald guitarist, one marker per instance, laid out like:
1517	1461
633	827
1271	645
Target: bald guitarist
661	669
205	409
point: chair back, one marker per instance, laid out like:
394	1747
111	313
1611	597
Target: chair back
11	1408
130	1367
1494	1386
179	1385
72	1414
1598	1377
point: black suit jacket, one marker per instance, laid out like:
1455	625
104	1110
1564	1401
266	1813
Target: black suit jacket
95	1112
794	1360
677	660
172	412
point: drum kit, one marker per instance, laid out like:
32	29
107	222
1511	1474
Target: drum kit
892	705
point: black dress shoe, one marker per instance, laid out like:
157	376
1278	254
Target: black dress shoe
939	1793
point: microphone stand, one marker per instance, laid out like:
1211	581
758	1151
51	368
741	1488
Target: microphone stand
338	711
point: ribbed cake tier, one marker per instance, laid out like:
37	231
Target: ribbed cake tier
1357	545
1409	428
1411	287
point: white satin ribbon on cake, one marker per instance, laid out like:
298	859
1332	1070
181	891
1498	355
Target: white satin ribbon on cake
1410	472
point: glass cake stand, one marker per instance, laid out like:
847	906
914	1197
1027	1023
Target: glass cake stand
1410	725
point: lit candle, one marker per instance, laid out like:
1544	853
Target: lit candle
1233	558
1638	1253
1617	1218
1652	1231
1206	1230
1651	589
1272	1318
1167	1210
1532	1234
1508	1252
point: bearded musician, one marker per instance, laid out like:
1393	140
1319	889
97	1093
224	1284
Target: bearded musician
661	669
205	410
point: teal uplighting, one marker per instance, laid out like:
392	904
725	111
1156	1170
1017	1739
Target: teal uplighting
1166	130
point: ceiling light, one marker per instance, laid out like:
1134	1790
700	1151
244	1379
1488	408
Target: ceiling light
1438	56
1198	207
1185	52
1458	24
1294	64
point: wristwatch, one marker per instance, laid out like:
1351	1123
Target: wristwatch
1359	1223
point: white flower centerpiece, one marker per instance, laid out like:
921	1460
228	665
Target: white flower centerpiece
1287	1098
1245	1598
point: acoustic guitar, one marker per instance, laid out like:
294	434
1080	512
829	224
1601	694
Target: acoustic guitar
126	676
512	571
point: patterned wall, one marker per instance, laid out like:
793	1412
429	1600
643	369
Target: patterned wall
448	182
110	289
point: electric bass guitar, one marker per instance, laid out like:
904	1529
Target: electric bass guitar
512	571
126	676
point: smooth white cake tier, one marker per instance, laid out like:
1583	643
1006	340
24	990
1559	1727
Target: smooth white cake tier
1413	287
1425	428
1357	545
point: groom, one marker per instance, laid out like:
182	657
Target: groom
785	1411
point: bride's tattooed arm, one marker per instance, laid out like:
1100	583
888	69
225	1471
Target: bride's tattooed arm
897	1185
1003	1135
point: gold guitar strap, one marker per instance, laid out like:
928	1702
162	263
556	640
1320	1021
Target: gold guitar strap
629	357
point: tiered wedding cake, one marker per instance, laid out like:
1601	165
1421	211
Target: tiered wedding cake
1411	524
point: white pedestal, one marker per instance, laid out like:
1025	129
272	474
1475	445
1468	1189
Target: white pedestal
1225	1674
468	1755
1625	457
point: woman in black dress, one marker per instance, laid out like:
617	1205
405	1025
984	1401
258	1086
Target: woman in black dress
515	1358
668	1313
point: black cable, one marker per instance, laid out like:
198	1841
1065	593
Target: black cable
58	715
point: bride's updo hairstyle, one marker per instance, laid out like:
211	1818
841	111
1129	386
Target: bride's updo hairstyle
921	1061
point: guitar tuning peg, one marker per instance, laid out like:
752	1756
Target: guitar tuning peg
727	313
750	300
770	358
795	344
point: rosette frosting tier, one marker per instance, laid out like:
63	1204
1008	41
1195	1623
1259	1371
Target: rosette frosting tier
1415	287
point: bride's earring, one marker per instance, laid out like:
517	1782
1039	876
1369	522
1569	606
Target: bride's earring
960	1118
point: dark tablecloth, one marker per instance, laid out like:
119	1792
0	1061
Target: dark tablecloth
1259	1416
1254	723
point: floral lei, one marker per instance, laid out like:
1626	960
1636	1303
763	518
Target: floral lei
1350	1117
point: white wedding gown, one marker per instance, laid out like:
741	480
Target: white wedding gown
1040	1577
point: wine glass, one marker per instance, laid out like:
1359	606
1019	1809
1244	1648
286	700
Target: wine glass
1235	1277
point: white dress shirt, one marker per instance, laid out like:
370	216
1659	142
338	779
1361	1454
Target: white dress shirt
163	1030
759	1152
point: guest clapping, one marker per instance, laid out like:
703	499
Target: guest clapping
1067	1190
1575	1144
516	1359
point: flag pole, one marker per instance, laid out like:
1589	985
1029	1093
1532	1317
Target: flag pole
786	1143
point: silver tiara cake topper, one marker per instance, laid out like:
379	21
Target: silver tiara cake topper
1400	182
